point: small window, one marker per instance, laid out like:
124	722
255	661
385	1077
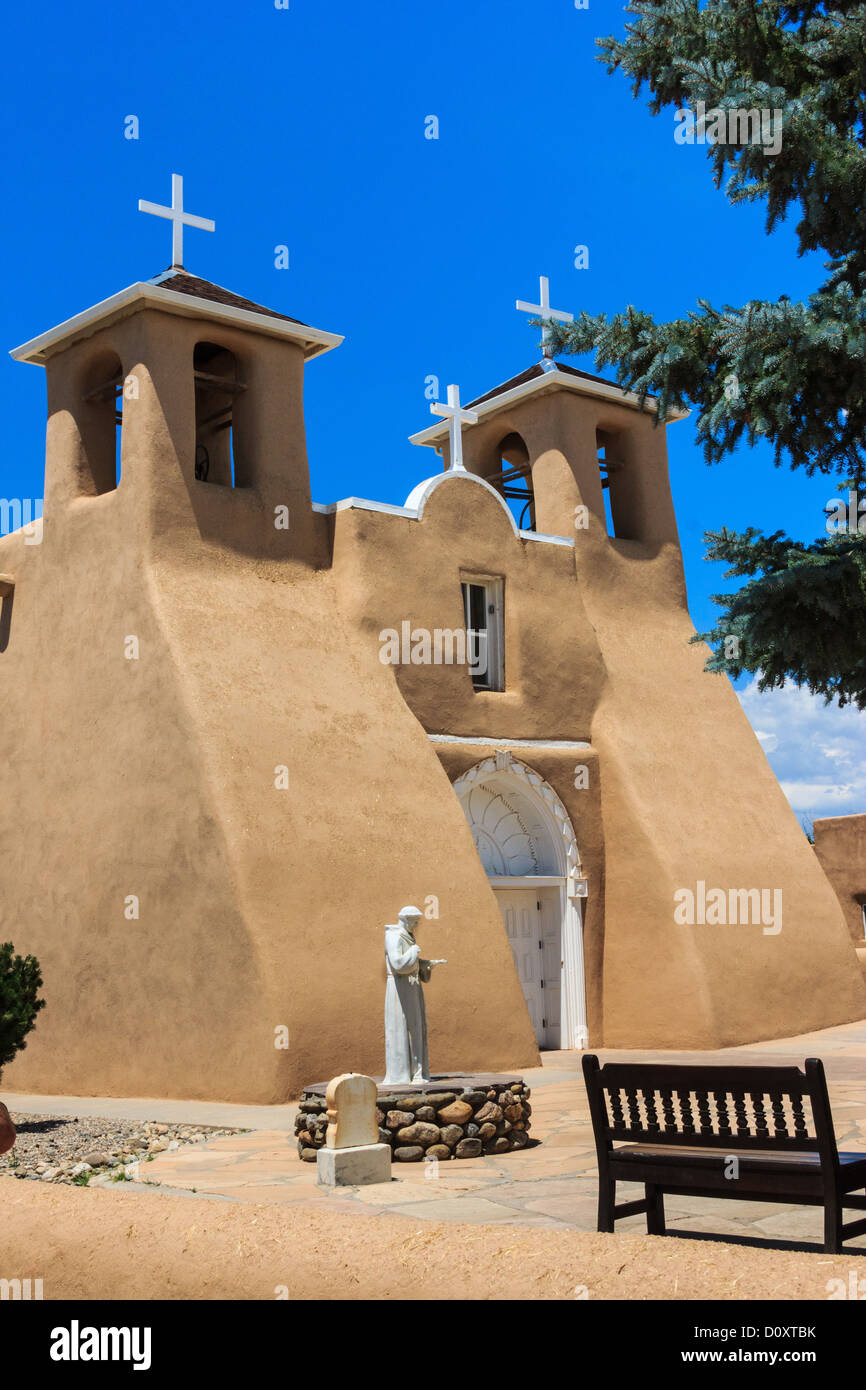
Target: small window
216	391
483	614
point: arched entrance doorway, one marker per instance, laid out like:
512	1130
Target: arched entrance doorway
527	845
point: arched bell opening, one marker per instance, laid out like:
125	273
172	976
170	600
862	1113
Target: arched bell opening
510	473
101	424
219	456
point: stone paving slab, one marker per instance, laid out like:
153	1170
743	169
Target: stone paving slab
551	1184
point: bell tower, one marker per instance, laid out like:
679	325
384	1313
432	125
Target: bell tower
553	441
574	455
182	401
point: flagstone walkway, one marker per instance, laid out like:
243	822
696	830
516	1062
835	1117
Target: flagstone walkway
550	1185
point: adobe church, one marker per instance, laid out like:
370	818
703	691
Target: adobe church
219	788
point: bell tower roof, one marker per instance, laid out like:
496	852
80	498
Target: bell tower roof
544	376
177	291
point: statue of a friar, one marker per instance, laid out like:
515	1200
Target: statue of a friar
405	1017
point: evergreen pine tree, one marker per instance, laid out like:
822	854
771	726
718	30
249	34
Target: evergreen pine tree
793	374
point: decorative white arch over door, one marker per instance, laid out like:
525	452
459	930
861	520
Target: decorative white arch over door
525	839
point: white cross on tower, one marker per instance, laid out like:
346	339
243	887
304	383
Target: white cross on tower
543	311
457	416
178	218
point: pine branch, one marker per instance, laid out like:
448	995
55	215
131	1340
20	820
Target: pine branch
801	616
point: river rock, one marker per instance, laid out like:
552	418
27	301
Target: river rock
446	1098
419	1133
451	1135
491	1112
468	1148
455	1114
487	1131
473	1098
412	1153
96	1158
396	1119
440	1151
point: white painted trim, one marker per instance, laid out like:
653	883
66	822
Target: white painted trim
435	435
542	536
506	881
364	504
481	741
420	495
38	350
574	1034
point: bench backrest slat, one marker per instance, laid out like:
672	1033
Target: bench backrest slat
719	1107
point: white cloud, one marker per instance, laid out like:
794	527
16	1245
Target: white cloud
817	751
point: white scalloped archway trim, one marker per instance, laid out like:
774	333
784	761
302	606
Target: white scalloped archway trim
531	781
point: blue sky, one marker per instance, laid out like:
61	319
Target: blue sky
305	127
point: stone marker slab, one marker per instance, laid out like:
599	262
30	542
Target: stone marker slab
356	1167
351	1101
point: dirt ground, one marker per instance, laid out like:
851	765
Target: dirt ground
87	1244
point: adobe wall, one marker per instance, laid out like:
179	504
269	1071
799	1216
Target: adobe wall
840	844
259	908
686	791
263	908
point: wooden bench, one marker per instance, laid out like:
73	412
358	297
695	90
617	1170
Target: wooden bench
678	1130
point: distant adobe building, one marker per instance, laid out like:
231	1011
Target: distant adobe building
840	844
216	793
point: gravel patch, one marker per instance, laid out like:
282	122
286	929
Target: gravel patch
66	1149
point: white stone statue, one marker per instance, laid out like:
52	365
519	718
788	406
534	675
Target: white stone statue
405	1017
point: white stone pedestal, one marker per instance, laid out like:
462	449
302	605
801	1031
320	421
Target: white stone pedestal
356	1167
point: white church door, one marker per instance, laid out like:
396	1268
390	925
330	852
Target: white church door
526	843
532	924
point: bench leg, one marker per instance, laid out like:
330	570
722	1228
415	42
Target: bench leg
606	1203
833	1226
655	1210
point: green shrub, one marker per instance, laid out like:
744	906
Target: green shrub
20	982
